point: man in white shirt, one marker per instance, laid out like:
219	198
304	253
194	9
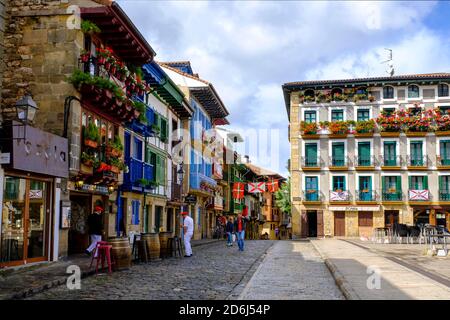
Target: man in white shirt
188	231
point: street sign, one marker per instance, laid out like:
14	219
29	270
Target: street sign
5	158
190	199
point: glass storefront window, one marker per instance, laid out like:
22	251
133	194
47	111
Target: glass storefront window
24	218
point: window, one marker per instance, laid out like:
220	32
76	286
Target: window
311	155
418	183
388	111
310	116
365	219
312	187
137	149
364	154
390	156
392	188
338	154
365	188
442	90
444	109
444	188
416	153
445	152
135	205
388	92
338	183
363	115
337	115
413	91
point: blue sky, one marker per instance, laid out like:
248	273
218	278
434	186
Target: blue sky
249	49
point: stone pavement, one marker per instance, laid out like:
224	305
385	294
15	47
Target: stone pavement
27	280
349	265
292	270
214	272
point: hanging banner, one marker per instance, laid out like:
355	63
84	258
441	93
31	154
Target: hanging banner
256	187
272	186
238	190
417	195
339	196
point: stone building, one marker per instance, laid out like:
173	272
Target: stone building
368	153
46	42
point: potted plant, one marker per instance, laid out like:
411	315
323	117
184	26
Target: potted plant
87	159
115	148
91	135
365	126
308	128
338	127
89	27
142	182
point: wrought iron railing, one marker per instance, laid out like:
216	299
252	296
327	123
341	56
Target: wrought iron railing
366	195
392	196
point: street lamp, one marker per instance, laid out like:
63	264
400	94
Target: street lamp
180	174
26	109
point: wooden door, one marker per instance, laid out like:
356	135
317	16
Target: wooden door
304	224
339	224
320	232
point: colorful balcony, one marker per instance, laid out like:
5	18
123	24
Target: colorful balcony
312	196
392	196
199	181
391	162
365	163
417	163
312	163
140	176
366	196
339	163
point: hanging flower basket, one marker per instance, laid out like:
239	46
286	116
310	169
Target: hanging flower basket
85	57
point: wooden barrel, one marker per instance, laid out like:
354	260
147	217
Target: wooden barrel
121	253
163	242
153	246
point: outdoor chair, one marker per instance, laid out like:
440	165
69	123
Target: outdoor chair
414	233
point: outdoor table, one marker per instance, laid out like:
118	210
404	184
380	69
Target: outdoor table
381	232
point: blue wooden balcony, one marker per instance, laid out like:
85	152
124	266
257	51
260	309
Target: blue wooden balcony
196	178
137	170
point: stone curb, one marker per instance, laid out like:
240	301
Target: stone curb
340	280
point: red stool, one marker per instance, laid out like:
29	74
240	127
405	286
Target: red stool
95	252
104	251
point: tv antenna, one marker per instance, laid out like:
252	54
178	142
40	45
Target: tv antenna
390	65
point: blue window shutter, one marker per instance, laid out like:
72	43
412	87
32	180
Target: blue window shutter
127	145
150	116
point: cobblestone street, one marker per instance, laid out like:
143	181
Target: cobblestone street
214	272
217	272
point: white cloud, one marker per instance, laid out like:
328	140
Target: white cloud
248	49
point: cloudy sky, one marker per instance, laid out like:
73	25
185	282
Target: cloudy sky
249	49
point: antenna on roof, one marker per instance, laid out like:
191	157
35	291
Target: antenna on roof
390	65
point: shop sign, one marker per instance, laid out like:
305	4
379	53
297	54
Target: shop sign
5	158
190	199
95	188
355	208
40	152
35	194
65	215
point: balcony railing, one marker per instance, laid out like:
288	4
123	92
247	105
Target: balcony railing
392	196
443	161
419	195
421	161
391	161
365	161
444	195
366	195
340	195
196	178
312	195
339	161
309	162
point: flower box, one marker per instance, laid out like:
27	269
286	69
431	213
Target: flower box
115	169
390	134
110	151
90	143
416	134
442	133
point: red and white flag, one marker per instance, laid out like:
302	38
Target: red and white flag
256	187
272	186
419	195
238	190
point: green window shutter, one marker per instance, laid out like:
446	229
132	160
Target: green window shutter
345	187
441	184
383	184
410	182
158	169
399	184
425	182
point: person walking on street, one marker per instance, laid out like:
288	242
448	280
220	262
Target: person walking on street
239	228
95	225
188	231
230	230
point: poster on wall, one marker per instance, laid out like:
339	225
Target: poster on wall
65	216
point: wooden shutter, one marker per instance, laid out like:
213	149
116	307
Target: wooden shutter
399	184
320	232
158	169
411	187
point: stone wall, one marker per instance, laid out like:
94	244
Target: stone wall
3	20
